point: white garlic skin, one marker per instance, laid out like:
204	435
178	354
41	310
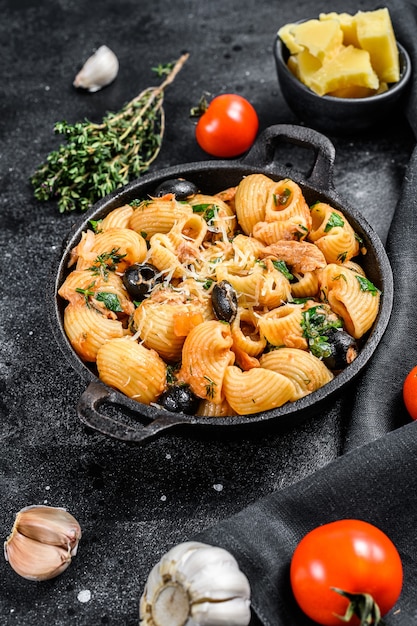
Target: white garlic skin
195	584
98	71
42	542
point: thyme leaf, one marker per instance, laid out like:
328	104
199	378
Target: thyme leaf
106	262
98	158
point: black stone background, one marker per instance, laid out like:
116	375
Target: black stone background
134	503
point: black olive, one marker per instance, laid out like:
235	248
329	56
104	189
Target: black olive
181	188
140	278
344	349
179	399
224	301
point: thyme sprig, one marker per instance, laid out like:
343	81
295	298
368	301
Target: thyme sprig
98	158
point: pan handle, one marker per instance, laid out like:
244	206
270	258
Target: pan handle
262	152
97	394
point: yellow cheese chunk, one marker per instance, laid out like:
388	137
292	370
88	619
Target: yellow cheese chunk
293	65
376	35
347	24
287	36
321	39
350	66
348	56
304	65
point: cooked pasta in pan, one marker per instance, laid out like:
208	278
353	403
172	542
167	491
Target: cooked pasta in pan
244	300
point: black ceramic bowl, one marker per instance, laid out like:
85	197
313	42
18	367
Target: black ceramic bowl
111	412
339	115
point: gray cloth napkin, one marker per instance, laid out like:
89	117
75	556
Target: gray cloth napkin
373	479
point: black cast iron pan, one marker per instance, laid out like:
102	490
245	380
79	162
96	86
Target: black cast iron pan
113	414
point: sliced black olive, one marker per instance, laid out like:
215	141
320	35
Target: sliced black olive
181	188
224	301
140	278
179	399
344	349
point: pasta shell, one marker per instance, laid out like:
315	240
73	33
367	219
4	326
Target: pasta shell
342	289
205	357
131	368
305	370
88	330
256	390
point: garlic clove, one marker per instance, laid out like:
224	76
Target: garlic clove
218	583
51	525
203	558
99	70
34	560
234	612
172	561
42	541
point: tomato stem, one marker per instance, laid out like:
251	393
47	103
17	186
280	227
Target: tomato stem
201	107
363	606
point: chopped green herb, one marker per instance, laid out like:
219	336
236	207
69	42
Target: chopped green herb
282	267
171	373
208	284
87	293
209	211
366	285
339	276
334	220
95	225
200	208
210	387
301	232
315	324
106	262
342	257
110	301
281	198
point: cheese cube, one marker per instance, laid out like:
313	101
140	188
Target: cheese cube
350	66
321	39
307	66
376	35
347	24
287	36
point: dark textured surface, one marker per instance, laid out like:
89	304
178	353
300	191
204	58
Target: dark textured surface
134	503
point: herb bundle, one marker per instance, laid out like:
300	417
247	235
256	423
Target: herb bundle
98	158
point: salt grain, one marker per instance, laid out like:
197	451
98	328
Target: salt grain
84	595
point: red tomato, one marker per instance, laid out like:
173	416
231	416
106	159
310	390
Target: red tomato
350	555
228	127
410	393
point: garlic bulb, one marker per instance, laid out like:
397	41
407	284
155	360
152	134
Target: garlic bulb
98	71
42	542
195	584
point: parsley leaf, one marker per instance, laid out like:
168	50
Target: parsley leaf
282	267
315	324
366	285
334	220
110	301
